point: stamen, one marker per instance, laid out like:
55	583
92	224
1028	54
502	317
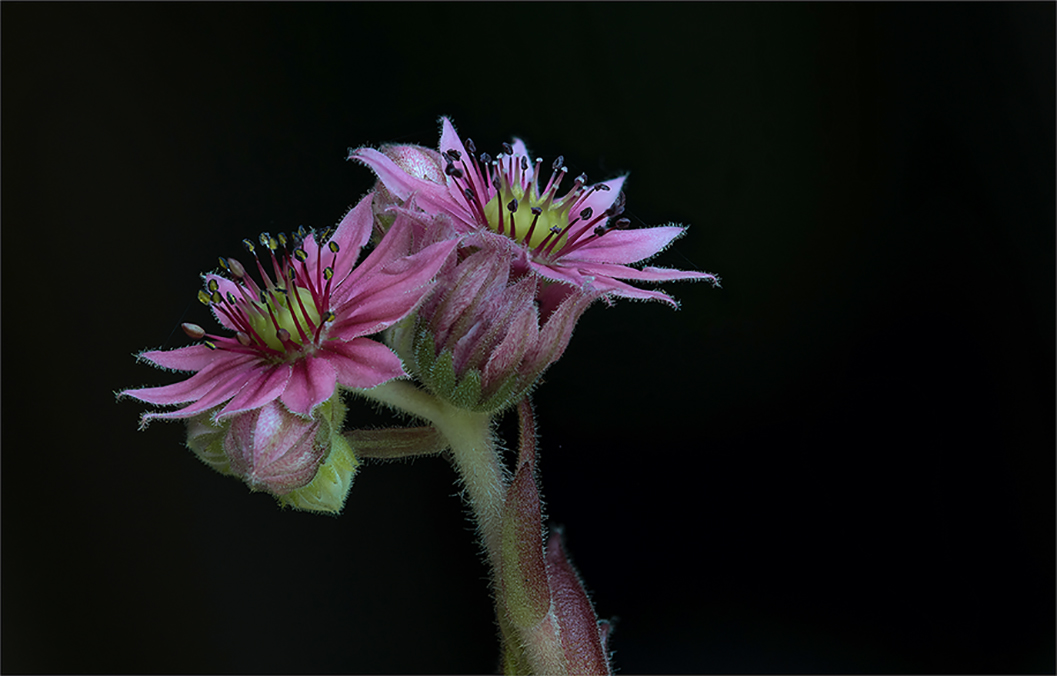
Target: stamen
193	331
470	147
536	211
512	206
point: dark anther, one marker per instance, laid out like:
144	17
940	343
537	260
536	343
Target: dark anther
249	245
282	240
524	163
231	297
485	158
212	285
333	246
586	213
452	170
558	163
600	230
265	238
622	224
301	232
495	182
512	207
469	193
301	255
536	211
508	149
326	235
470	147
453	155
223	263
617	207
602	186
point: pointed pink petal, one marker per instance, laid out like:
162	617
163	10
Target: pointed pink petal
226	366
600	200
353	232
388	295
645	274
225	286
362	363
223	390
190	358
311	383
395	244
265	386
449	140
627	246
521	149
559	272
430	196
610	286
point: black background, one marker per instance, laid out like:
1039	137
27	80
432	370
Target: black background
842	461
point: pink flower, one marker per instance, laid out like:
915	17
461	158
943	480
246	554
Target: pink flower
578	239
300	334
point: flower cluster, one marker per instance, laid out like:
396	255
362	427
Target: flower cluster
480	270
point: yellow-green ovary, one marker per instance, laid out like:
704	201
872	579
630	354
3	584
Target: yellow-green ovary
550	218
261	321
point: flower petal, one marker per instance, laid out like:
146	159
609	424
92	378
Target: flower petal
645	274
390	293
353	232
265	386
311	383
613	287
449	140
190	358
430	196
225	366
569	274
600	200
627	246
362	363
223	389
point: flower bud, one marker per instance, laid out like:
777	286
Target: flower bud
479	341
304	462
418	161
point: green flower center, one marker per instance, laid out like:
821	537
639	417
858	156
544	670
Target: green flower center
525	223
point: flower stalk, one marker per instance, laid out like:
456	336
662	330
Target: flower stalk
480	270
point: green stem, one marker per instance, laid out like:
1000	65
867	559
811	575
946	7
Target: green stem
473	449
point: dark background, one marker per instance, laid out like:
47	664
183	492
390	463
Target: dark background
842	461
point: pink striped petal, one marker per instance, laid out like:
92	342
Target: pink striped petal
227	365
430	196
224	389
265	386
190	358
311	383
600	200
362	363
627	246
352	234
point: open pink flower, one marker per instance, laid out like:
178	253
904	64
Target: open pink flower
579	239
301	333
